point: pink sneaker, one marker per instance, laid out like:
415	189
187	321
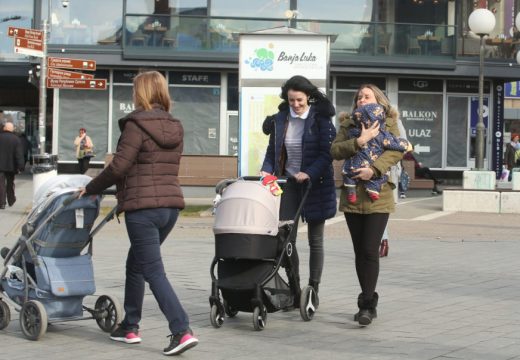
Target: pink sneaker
181	342
128	336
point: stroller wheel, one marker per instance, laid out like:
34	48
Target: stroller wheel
259	318
33	320
5	315
216	317
108	312
230	312
308	303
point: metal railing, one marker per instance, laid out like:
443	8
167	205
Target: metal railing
142	35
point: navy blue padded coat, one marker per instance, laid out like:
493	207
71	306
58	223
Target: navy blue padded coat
319	132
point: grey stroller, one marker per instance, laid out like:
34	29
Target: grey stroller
48	272
251	245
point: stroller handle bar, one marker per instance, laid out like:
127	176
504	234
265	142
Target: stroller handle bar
223	184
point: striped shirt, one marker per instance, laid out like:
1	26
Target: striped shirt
293	142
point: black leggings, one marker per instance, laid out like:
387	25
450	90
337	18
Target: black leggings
291	199
366	231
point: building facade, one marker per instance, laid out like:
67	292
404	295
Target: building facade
420	52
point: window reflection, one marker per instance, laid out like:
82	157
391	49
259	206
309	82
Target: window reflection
240	8
166	7
342	10
17	14
77	24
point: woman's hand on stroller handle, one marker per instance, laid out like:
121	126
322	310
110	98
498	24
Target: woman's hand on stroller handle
301	177
82	191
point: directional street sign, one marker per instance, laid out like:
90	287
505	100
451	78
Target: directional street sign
94	84
64	74
28	46
66	63
30	34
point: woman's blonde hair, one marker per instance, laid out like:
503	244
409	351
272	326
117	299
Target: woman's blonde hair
380	98
150	88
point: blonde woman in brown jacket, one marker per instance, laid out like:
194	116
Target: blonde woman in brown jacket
367	219
145	169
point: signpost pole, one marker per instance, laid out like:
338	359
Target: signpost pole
42	114
44	165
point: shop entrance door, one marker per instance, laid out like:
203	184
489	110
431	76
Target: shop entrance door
462	131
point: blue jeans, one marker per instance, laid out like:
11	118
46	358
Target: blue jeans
147	229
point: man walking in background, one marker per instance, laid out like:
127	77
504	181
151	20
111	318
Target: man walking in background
11	163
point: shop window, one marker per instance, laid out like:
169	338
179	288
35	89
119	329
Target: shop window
122	105
87	109
198	108
232	92
421	114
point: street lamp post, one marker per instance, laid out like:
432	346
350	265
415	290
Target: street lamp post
481	22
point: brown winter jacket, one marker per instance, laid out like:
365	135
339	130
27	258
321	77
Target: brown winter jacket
343	148
145	167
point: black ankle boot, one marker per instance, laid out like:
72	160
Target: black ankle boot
367	309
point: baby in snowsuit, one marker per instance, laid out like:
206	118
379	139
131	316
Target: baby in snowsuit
367	115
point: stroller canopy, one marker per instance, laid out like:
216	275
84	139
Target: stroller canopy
54	187
247	207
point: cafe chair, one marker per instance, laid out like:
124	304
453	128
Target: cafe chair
169	38
138	38
384	42
413	45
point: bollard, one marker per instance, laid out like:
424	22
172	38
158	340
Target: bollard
44	167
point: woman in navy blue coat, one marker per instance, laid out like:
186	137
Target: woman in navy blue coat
301	134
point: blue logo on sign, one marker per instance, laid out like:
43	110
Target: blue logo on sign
262	61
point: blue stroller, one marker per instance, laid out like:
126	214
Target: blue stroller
46	274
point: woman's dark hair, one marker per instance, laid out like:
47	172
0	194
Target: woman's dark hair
301	83
268	125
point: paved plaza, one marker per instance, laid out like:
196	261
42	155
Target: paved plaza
449	289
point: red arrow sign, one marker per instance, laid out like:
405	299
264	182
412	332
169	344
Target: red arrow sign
28	46
66	63
25	33
64	74
94	84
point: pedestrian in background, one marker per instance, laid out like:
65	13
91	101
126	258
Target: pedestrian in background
367	219
145	169
509	155
11	163
424	172
84	150
299	147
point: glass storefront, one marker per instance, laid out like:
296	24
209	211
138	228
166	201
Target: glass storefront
439	115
